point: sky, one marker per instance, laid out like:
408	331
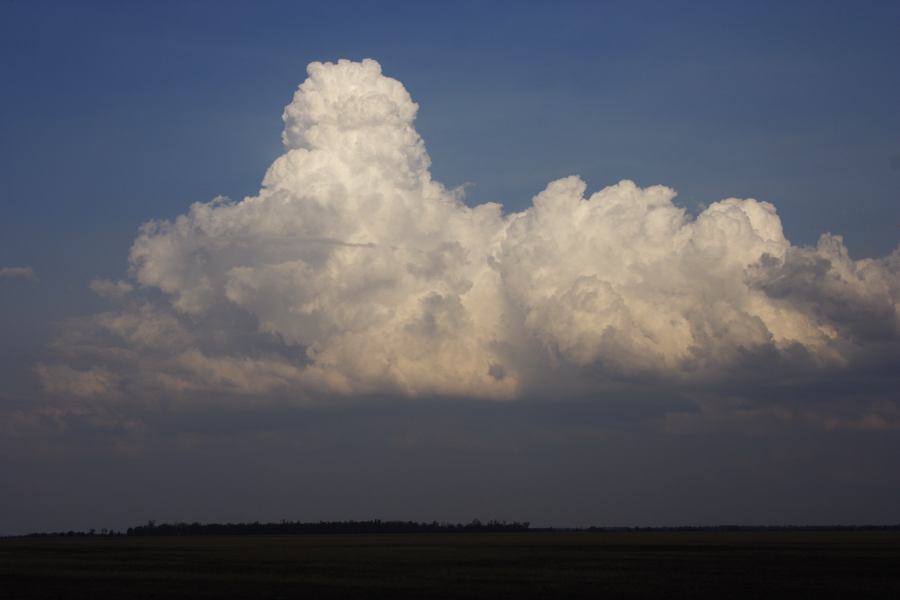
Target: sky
573	264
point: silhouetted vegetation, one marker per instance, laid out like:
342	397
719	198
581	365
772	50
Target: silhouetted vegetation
324	527
476	526
377	526
77	534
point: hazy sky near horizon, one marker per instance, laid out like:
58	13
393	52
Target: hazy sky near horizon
578	264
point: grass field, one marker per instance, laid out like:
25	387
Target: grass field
518	565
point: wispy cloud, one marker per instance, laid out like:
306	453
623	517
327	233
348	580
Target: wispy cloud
26	273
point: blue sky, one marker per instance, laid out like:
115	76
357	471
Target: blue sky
116	113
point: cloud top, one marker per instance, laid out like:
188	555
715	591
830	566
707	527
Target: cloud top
353	272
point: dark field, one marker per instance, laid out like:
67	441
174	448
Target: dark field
517	565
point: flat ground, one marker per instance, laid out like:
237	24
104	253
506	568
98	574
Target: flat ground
518	565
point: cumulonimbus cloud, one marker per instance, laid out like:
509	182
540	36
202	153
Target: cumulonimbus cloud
353	272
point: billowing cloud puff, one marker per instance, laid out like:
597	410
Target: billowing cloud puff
353	272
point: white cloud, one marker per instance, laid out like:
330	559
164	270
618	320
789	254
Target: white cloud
353	272
26	273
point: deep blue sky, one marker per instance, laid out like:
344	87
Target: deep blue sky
115	113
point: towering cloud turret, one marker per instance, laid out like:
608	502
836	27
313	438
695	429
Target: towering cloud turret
353	272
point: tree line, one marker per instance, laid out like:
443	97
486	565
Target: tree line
378	526
324	527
